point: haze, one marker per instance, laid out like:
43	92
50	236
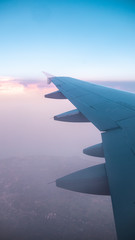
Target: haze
36	150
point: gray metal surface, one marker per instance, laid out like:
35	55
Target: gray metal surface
113	112
96	150
71	116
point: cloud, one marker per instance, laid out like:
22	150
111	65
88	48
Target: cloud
8	87
6	78
12	85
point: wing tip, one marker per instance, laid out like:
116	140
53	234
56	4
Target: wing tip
48	77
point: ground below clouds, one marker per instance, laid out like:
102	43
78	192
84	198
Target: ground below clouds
32	209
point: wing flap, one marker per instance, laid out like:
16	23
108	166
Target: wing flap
120	166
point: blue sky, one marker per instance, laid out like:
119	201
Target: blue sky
92	40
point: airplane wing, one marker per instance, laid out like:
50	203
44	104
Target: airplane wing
113	113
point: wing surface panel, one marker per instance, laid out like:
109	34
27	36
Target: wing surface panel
126	99
103	106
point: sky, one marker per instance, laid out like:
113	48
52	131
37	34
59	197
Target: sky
90	40
28	127
36	150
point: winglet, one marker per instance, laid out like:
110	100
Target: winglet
48	77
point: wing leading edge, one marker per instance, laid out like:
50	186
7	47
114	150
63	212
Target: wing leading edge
111	111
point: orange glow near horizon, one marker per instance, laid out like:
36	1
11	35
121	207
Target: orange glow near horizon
12	87
7	87
6	78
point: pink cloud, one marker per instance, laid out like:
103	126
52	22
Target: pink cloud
9	85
